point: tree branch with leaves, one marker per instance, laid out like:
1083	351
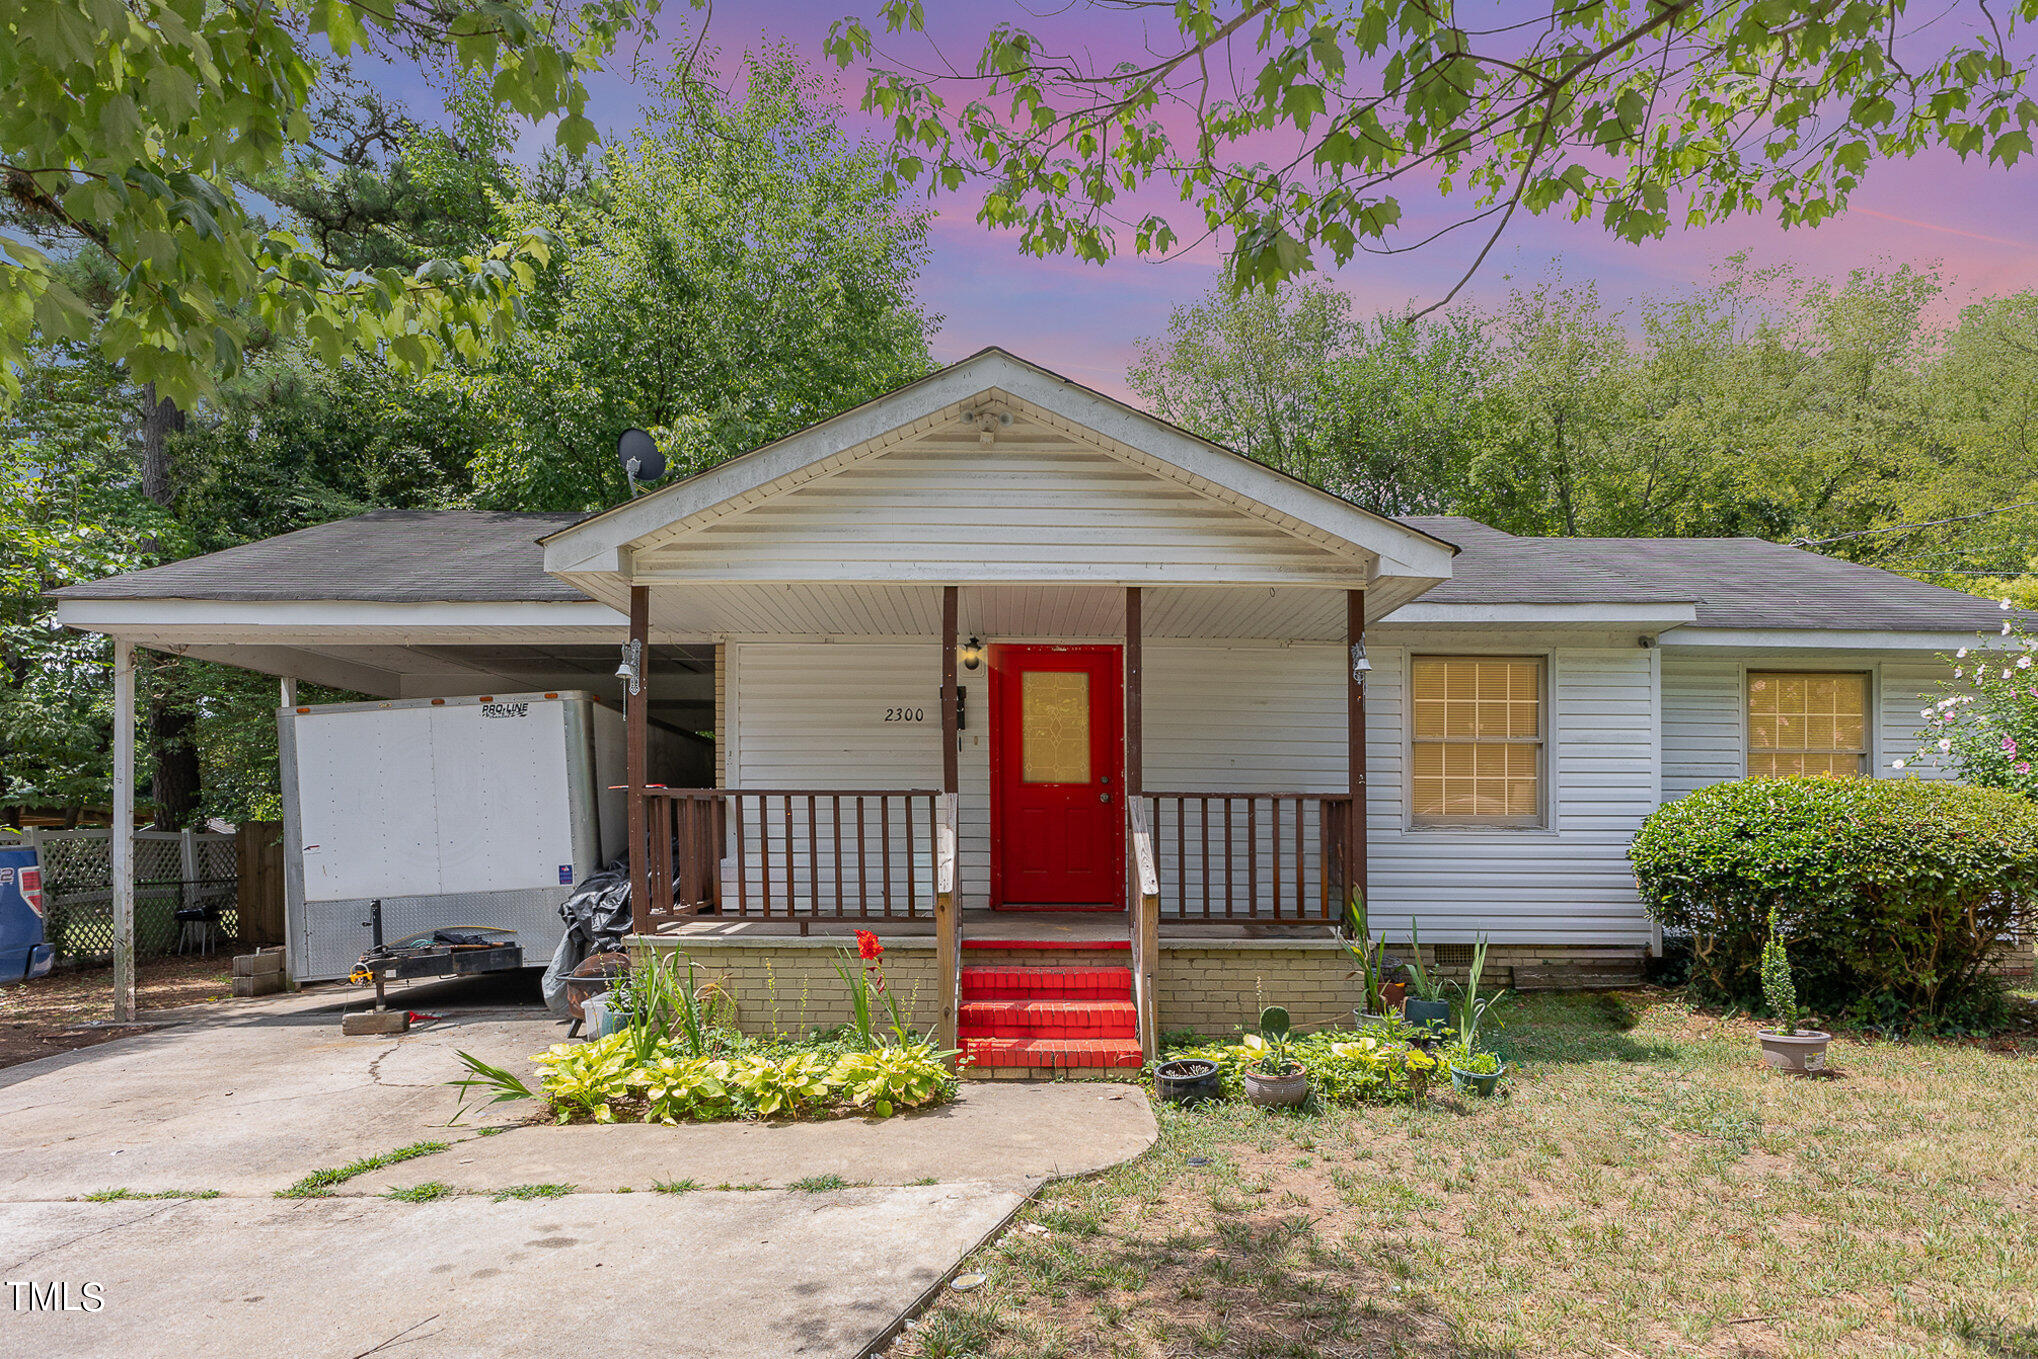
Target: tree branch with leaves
1294	131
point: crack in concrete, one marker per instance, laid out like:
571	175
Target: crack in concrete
97	1231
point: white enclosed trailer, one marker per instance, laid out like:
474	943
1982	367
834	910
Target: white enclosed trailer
452	811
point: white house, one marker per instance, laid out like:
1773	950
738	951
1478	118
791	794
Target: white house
999	663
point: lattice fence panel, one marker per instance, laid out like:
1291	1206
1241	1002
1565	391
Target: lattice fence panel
78	889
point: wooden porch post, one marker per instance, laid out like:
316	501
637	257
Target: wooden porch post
1135	731
947	912
1146	901
120	836
1355	744
637	726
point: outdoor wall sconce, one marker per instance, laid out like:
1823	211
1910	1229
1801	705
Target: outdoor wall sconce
972	653
632	668
1360	665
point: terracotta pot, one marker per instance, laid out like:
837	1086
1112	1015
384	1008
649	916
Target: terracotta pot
1392	994
1276	1092
1799	1052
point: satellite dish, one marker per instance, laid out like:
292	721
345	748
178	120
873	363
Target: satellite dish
638	452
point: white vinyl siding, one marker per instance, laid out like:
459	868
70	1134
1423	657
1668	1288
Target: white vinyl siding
1705	710
1035	506
1265	718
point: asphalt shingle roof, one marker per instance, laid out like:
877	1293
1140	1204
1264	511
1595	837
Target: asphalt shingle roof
1732	582
387	556
420	556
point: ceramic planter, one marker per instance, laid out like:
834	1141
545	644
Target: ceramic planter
1800	1052
1430	1018
1187	1080
1276	1092
1481	1083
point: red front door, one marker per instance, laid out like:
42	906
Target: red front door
1057	817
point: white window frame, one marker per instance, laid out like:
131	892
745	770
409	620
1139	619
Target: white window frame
1544	822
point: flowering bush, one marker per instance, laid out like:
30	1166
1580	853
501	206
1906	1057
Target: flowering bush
1984	727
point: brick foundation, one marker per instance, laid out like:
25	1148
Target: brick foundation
789	985
1215	987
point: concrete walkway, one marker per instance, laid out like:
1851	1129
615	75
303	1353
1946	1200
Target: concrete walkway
251	1098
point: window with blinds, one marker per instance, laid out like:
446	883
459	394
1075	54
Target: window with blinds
1807	724
1478	741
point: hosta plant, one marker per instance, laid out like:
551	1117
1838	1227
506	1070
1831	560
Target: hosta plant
887	1079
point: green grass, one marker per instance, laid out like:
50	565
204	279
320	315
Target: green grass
1643	1187
116	1195
322	1182
675	1186
726	1187
422	1193
820	1184
533	1191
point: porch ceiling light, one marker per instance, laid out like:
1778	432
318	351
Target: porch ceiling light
972	653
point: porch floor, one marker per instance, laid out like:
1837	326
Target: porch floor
980	925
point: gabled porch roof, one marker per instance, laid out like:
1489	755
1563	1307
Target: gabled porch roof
996	473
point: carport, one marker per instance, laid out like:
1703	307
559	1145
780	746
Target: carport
391	604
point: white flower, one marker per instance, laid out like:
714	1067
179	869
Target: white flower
1945	744
1896	764
2006	672
2024	662
2004	605
1925	713
1959	672
1962	653
2006	627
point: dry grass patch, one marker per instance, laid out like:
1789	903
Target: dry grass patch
1644	1188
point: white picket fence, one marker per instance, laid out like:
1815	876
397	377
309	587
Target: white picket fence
172	870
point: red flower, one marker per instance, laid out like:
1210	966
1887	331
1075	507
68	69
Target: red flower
867	946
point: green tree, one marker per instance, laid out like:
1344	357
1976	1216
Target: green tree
140	126
1380	412
737	271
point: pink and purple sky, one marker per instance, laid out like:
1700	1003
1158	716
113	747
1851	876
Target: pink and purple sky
1976	223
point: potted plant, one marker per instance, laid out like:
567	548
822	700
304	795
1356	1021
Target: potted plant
1789	1046
1188	1080
1477	1073
1472	1070
1370	953
1275	1079
1426	1011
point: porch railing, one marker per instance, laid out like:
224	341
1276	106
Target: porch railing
1267	857
792	854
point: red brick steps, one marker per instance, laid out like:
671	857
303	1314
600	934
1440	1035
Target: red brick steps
1007	981
1048	1017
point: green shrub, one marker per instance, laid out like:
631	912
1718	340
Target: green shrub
1896	892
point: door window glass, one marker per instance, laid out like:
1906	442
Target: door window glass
1054	726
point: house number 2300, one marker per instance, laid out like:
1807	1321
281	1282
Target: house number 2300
905	714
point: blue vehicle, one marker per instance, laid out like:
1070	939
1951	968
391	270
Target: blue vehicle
23	954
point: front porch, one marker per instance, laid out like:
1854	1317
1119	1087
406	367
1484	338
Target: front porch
1081	877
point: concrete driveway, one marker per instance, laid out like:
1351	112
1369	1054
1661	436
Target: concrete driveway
247	1100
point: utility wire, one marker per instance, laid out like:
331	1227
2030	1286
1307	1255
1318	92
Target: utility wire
1906	528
